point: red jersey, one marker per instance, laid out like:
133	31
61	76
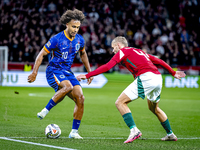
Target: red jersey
135	60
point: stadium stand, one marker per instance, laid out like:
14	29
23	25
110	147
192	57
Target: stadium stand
166	28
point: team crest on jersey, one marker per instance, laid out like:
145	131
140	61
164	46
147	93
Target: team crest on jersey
49	43
77	47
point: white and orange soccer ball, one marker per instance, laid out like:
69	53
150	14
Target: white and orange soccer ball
52	131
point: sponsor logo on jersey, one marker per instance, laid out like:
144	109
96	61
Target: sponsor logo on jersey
49	44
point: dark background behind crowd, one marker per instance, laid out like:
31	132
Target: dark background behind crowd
169	29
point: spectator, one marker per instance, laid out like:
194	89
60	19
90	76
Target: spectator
138	36
51	7
185	55
184	36
160	49
196	50
27	66
164	38
94	16
156	31
182	21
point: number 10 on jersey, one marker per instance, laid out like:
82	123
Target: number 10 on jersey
64	55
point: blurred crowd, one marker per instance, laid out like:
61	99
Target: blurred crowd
166	28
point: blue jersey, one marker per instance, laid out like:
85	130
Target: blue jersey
64	50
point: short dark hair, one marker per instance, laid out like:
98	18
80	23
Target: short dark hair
72	14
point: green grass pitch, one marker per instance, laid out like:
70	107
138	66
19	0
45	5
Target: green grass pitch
102	126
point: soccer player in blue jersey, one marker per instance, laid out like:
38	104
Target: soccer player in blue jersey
64	46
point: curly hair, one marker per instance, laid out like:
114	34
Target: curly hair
72	14
120	39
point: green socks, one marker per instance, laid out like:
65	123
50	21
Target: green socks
129	120
166	126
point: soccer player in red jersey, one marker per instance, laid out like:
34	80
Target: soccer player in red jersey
148	82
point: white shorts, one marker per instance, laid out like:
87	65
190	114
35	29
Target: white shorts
147	84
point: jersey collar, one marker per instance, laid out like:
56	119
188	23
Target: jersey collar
71	39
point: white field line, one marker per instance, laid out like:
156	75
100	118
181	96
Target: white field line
101	138
45	145
39	95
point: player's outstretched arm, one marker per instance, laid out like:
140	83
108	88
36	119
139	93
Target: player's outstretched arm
38	61
176	74
160	62
84	59
81	77
179	75
101	69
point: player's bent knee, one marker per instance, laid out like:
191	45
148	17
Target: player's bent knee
80	99
67	89
117	103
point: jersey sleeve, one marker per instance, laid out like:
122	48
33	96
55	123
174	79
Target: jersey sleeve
118	57
51	44
82	44
160	62
102	69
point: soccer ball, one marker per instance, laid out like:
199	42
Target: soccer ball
52	131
